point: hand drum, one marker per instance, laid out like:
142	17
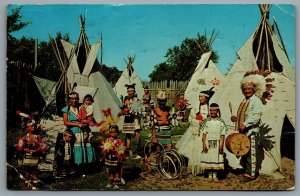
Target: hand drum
238	144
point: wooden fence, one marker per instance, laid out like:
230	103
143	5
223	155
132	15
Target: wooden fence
22	93
173	89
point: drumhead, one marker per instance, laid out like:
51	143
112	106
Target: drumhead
238	144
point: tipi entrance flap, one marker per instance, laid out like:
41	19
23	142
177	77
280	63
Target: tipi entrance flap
69	49
283	59
91	59
84	90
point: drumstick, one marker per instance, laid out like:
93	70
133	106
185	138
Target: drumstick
230	107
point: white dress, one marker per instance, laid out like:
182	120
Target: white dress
190	143
213	129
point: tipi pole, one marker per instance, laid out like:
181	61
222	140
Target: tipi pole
260	38
268	51
101	57
281	41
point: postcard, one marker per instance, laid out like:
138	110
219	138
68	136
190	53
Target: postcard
110	97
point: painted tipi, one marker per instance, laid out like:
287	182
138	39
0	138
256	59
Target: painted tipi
205	76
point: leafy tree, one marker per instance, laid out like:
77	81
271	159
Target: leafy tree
162	71
14	22
21	50
18	49
48	63
112	74
182	60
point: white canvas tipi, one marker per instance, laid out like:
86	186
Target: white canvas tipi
85	77
205	76
129	76
282	104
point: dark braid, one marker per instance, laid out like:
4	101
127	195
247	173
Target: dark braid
208	109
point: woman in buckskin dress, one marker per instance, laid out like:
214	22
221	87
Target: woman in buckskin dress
190	144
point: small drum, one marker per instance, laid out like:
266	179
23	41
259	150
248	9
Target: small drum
238	144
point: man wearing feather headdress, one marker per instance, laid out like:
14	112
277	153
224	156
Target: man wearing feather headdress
247	120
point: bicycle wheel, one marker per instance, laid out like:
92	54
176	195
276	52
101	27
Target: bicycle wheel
151	153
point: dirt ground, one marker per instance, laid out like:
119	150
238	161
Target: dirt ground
284	180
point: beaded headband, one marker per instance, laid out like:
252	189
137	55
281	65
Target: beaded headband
248	85
130	89
31	122
73	96
203	94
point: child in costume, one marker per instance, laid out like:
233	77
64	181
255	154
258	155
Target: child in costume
213	136
30	147
63	162
86	111
131	111
113	150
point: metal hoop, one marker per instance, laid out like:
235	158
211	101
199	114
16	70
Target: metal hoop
151	154
166	166
175	165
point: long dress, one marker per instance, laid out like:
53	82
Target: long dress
213	129
83	151
190	144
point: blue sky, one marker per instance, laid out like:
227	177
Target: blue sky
148	31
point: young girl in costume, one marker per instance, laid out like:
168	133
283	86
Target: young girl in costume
31	146
213	136
113	149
